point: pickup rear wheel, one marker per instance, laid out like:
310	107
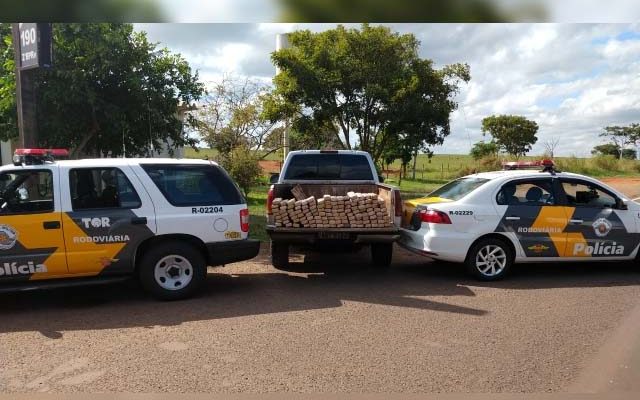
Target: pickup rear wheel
279	254
381	254
172	271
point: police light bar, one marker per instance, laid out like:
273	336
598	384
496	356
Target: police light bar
513	165
37	156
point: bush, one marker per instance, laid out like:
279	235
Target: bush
243	167
606	163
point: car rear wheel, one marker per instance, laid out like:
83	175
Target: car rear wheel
172	271
279	255
489	259
381	254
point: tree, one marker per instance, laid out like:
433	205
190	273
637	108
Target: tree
243	166
483	149
550	146
621	136
110	91
233	117
513	133
369	83
610	149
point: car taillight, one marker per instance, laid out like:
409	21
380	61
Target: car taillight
434	217
244	220
398	203
269	200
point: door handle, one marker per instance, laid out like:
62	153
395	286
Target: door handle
512	218
576	221
139	221
51	224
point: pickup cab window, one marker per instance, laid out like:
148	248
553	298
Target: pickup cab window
351	167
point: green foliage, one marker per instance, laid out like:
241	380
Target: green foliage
513	133
232	117
243	167
610	149
110	85
397	11
621	136
484	149
368	82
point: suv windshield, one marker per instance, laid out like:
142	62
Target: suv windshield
350	167
459	188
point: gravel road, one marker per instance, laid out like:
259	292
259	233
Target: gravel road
330	324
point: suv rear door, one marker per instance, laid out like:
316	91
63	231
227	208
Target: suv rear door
198	200
106	215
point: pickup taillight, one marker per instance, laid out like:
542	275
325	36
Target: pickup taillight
244	220
269	200
434	217
398	203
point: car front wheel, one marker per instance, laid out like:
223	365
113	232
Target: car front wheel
489	259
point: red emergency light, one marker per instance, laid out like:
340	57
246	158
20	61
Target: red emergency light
513	165
38	156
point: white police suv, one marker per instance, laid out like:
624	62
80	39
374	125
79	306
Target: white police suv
492	220
70	222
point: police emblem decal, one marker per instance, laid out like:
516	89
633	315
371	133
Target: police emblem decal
602	227
8	237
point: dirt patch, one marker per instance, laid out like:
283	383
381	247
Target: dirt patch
627	185
270	167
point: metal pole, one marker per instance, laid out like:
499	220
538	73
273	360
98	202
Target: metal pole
282	42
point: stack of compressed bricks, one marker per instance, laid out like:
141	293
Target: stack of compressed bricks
355	210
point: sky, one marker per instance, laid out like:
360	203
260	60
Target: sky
572	79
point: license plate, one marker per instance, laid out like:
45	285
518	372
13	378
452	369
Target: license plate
334	235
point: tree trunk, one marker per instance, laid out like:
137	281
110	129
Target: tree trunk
415	160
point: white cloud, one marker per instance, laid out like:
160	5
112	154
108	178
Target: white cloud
573	79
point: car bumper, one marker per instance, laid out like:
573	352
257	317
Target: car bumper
447	246
220	253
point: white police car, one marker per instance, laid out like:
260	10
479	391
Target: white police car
70	222
492	220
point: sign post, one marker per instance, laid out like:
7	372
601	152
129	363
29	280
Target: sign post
33	49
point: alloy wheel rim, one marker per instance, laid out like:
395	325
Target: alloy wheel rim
491	260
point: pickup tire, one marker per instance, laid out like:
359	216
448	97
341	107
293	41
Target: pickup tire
279	254
381	254
172	271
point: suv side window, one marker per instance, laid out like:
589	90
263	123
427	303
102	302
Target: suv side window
101	188
194	185
26	192
534	192
587	194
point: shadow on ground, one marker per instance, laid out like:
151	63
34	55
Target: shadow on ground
319	280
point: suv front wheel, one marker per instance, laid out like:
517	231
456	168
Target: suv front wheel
172	271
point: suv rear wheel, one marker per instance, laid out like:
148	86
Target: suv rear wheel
489	259
172	271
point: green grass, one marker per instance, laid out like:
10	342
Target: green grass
212	154
257	200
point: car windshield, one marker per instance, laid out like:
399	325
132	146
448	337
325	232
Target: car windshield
459	188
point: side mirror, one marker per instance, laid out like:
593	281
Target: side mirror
381	178
622	205
274	178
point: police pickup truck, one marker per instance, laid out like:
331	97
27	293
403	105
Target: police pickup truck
336	173
71	222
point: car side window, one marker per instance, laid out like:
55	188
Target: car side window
527	193
587	194
26	192
93	188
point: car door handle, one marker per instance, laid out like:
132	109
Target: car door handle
512	218
576	221
139	221
51	224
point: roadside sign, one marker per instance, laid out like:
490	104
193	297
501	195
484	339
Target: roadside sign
35	45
